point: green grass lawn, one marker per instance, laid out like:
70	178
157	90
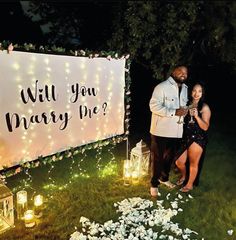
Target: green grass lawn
211	212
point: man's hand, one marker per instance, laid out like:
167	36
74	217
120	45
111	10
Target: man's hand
182	111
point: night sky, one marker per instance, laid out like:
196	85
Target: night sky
219	82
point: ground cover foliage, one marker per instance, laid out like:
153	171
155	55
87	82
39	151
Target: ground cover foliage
211	212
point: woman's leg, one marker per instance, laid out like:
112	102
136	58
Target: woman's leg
194	155
180	163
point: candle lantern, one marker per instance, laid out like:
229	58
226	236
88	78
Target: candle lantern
127	171
6	208
140	159
29	218
38	206
21	201
135	177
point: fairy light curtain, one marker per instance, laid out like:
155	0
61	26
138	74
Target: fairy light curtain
49	103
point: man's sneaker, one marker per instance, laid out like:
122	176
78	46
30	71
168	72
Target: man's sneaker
168	184
154	191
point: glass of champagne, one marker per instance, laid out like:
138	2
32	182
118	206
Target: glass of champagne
181	118
191	106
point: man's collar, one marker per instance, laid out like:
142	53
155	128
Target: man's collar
173	82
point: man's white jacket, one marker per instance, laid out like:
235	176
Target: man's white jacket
164	101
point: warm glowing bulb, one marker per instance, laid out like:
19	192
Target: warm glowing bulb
30	72
38	200
46	60
16	66
29	218
82	66
18	79
33	58
29	215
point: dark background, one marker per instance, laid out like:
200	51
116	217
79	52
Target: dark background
220	90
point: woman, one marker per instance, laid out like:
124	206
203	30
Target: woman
194	140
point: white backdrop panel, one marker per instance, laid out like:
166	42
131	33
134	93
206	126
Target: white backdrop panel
49	103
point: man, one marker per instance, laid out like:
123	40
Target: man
167	107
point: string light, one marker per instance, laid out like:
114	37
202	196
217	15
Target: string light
81	172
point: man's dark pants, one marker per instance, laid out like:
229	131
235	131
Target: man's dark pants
163	152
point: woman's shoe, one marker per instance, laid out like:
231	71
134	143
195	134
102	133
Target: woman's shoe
185	189
180	182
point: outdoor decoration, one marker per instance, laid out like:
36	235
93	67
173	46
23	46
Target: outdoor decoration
135	177
127	171
38	206
25	164
140	219
6	208
88	102
29	218
139	158
21	201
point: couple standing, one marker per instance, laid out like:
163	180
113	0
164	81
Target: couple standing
170	139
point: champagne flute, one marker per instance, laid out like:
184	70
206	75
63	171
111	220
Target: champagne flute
181	118
191	106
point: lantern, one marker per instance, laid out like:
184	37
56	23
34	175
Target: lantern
127	172
140	158
6	208
21	201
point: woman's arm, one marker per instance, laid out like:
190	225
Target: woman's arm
204	121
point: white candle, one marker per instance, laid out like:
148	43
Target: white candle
21	200
135	177
127	173
21	197
38	200
29	218
38	204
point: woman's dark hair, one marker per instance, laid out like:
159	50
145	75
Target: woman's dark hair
201	101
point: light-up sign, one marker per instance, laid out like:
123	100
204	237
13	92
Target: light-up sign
49	103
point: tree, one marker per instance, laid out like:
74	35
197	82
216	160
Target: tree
158	34
84	24
161	34
155	32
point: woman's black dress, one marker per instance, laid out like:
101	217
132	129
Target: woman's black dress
193	133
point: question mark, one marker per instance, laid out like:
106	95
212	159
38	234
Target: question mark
104	106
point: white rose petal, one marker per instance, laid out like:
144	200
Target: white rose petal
180	196
190	196
230	232
137	218
167	196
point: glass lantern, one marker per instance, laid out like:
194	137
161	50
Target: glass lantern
127	174
6	208
21	200
140	159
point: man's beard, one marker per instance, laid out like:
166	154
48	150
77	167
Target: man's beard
179	81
